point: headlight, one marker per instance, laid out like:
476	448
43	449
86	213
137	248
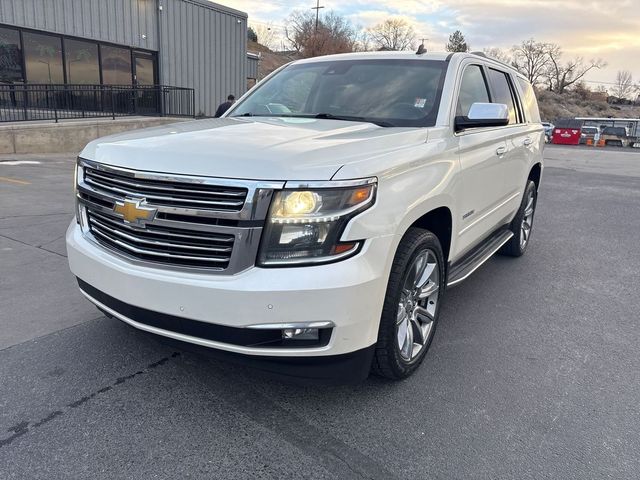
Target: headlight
304	226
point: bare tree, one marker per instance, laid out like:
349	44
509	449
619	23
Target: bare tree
457	43
364	42
393	34
267	35
499	54
335	34
624	87
531	59
562	75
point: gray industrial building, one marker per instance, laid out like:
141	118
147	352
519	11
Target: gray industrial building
180	43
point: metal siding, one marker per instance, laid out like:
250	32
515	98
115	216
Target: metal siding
203	47
252	67
94	19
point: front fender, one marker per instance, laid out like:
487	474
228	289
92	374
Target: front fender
406	192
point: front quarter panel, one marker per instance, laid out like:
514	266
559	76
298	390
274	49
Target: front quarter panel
411	183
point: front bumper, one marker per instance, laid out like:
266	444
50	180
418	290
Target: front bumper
349	294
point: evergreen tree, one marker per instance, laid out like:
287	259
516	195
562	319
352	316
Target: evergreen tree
457	42
252	35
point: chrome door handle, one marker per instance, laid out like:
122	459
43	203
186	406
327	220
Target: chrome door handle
527	142
501	151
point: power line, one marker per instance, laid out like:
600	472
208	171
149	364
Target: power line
267	24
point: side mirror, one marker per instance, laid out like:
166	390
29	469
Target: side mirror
484	115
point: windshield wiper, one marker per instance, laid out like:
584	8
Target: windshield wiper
349	118
324	116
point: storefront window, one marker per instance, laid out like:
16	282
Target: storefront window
82	62
116	65
10	56
43	58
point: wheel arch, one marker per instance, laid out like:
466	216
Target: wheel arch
535	174
438	221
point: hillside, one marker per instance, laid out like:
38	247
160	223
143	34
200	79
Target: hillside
269	60
579	102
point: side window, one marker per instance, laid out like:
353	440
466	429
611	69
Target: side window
529	101
472	89
503	93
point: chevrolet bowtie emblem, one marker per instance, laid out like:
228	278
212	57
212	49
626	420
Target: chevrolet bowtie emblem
132	212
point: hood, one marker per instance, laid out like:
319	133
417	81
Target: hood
256	149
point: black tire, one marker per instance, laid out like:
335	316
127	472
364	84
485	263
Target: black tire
515	247
388	361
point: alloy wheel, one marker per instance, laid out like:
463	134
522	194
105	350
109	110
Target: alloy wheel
415	319
527	220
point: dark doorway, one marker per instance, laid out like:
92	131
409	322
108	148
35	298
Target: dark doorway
147	98
145	69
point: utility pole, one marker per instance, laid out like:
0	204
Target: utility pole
317	9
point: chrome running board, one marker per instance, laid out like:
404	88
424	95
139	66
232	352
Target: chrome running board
468	264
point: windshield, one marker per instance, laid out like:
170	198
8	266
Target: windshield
390	93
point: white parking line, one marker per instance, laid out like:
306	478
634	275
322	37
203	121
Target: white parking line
20	162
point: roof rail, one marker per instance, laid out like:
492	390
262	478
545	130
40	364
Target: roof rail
484	55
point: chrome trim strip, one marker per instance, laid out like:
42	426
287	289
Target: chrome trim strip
179	178
207	343
158	242
358	182
482	260
151	197
178	225
153	253
281	326
153	231
155	187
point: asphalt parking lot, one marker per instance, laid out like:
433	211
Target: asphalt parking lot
534	371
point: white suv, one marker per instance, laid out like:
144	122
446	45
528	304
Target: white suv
316	225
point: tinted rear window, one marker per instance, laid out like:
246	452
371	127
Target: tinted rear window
529	101
503	93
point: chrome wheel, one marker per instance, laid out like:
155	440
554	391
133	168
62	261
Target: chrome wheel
418	303
527	220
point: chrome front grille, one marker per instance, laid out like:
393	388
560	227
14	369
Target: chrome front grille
160	191
160	244
196	222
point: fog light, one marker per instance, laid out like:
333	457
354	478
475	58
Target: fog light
300	334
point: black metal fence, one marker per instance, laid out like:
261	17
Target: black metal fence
59	102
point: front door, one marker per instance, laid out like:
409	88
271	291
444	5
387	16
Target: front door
144	69
147	95
482	151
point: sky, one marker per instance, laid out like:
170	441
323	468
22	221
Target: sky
585	28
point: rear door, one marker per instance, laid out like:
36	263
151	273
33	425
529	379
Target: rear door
535	130
519	141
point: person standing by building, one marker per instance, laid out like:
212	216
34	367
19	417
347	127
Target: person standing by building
223	107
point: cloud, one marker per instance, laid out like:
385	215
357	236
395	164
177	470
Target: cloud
587	28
